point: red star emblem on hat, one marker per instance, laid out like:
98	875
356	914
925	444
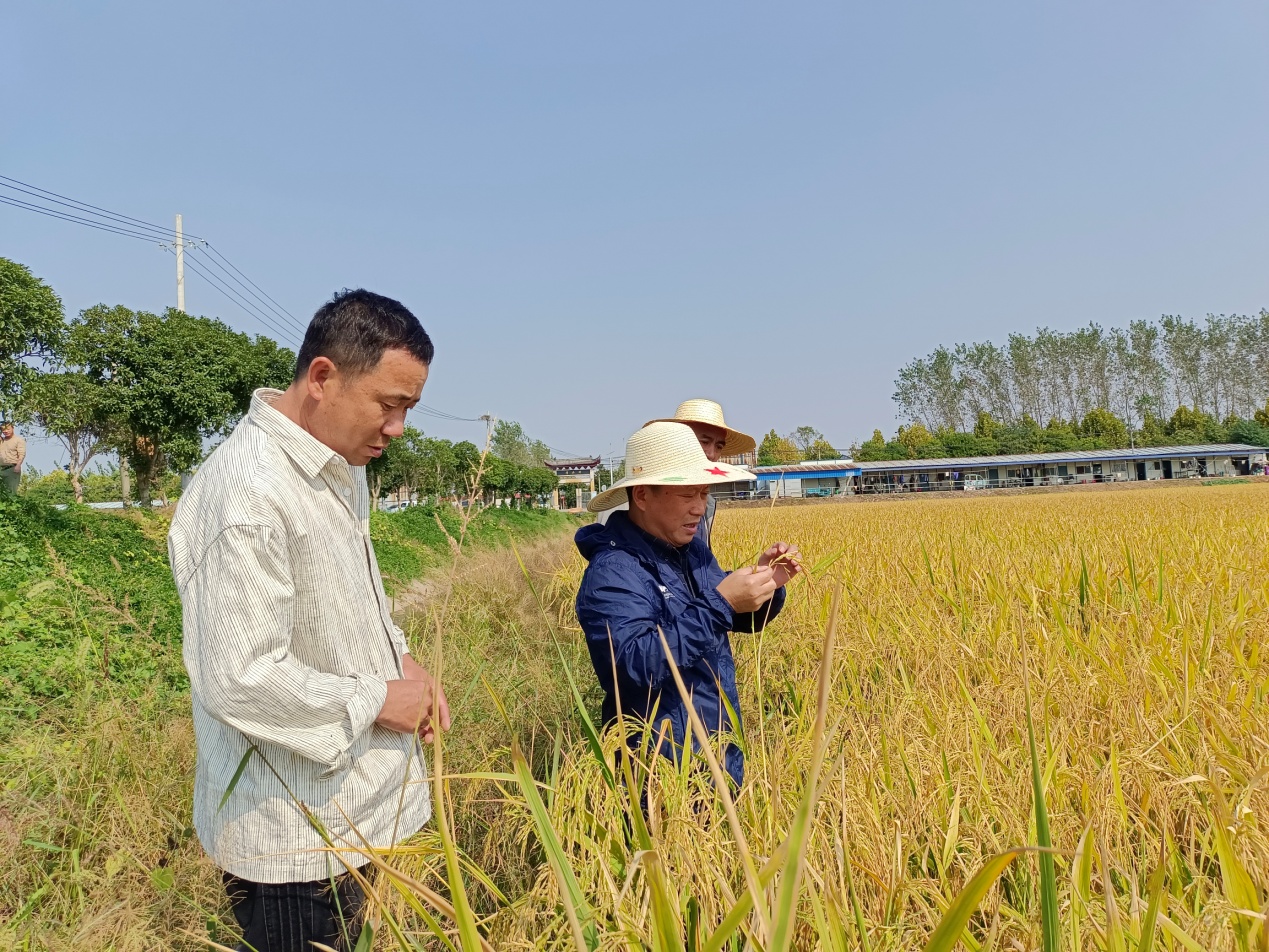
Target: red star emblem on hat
716	471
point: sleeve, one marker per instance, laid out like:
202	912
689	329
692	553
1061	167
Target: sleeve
398	640
618	600
238	613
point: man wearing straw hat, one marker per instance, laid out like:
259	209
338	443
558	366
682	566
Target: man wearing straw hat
717	439
650	573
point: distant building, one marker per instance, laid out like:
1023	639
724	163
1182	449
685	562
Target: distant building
1062	468
844	476
574	472
822	477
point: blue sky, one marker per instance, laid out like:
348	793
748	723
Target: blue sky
600	209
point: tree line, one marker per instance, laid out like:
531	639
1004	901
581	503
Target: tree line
1149	369
434	469
154	389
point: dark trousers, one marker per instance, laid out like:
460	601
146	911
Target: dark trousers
289	917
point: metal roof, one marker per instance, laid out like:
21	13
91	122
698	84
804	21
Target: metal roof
1067	456
809	466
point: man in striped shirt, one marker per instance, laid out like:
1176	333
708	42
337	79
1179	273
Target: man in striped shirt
307	705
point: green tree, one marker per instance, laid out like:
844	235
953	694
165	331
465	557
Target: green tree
68	406
872	449
917	439
775	449
1262	415
1249	431
821	449
510	442
1191	425
985	427
536	483
32	326
804	437
1104	428
499	478
466	461
604	478
169	381
436	465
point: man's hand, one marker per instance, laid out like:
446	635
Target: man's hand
783	559
415	703
748	589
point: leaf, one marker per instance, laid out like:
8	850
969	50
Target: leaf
1174	930
162	878
233	781
588	726
580	917
1048	875
948	932
1081	885
1114	929
1236	882
366	940
1153	905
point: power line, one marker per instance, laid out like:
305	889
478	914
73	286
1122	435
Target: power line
442	415
90	207
282	316
54	213
236	286
210	247
285	335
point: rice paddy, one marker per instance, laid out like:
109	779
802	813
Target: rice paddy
1101	648
1124	628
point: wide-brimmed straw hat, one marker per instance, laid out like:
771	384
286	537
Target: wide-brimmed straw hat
700	410
666	453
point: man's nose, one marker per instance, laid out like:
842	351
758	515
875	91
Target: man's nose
394	427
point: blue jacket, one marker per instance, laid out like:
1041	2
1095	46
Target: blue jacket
636	583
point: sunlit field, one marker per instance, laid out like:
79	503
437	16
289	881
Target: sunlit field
1137	622
1124	627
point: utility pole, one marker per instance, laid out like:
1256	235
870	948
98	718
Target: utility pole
180	267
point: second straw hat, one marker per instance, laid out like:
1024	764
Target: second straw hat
700	410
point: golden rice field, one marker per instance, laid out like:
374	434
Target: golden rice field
1133	620
1137	620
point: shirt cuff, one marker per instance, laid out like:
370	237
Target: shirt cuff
363	705
366	703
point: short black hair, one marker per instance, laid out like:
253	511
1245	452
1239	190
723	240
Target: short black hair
354	329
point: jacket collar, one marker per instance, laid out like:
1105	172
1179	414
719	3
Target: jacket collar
309	454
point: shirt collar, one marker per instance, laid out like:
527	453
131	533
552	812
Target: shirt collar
308	453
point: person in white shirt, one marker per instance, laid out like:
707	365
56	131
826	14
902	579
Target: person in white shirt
307	705
717	439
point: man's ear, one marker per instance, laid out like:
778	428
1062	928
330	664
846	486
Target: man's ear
318	377
639	498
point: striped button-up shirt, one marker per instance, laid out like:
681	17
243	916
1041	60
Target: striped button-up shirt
289	644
